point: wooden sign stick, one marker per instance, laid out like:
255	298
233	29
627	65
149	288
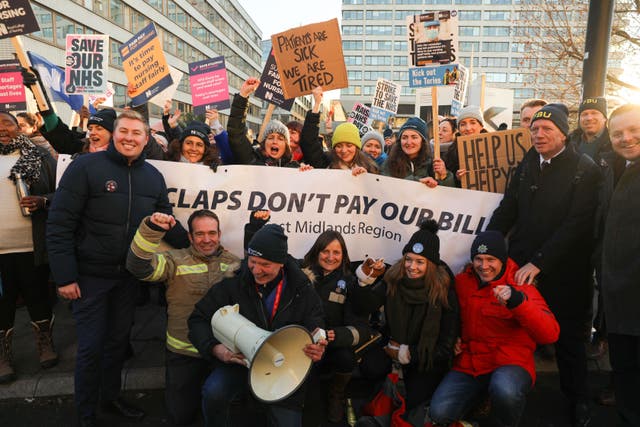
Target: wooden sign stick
267	119
24	61
435	121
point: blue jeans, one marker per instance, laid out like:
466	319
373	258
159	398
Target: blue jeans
507	387
229	382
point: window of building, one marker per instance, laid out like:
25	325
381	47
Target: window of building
437	1
469	31
400	30
115	60
64	26
495	31
470	15
523	93
495	46
402	14
407	90
354	75
352	45
466	61
497	1
468	1
524	63
375	75
352	90
378	30
379	2
138	21
156	4
116	12
45	21
399	76
352	1
518	47
352	14
408	1
400	60
496	77
379	15
494	62
376	45
469	46
400	46
352	60
496	15
368	90
377	60
352	30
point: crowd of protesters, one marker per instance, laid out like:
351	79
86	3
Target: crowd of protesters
564	228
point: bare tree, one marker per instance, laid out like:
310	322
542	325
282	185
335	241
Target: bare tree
551	36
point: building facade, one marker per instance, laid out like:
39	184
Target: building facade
190	30
494	40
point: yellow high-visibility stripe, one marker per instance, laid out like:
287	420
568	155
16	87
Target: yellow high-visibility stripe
159	271
180	345
191	269
144	244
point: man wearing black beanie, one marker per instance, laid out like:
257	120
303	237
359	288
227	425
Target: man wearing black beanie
592	137
548	213
272	292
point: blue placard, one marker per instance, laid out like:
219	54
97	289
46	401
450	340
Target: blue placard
440	75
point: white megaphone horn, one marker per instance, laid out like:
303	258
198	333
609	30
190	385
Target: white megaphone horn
277	365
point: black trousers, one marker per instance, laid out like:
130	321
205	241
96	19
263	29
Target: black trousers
104	315
184	376
624	354
21	277
571	358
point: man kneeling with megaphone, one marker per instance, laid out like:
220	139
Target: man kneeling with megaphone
272	293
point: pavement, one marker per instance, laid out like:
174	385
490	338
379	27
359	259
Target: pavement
48	392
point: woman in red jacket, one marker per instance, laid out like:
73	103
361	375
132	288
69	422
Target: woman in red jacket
501	325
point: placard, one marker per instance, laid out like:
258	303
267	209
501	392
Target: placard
16	18
310	56
145	65
86	63
270	88
359	116
432	38
12	91
209	85
385	100
491	159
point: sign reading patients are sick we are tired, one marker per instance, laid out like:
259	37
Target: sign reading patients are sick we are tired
310	56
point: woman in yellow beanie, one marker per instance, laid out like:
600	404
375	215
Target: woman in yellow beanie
344	154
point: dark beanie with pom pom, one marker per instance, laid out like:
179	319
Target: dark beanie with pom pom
425	242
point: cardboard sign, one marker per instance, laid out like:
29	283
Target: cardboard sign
209	85
270	88
310	56
145	65
12	91
87	62
160	98
491	159
359	116
16	17
433	38
385	100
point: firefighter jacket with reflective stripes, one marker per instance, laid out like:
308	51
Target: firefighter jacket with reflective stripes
187	273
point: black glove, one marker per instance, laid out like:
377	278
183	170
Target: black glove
214	166
258	222
30	77
516	298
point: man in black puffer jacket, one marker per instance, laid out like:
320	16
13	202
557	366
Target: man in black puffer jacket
272	292
101	199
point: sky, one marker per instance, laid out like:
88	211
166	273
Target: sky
275	16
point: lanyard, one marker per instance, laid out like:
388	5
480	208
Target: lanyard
276	302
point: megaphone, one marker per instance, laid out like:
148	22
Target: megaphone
277	365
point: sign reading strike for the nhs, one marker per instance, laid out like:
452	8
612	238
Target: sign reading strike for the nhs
16	17
376	214
87	57
145	65
12	91
209	86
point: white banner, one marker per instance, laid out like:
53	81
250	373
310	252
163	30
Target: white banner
376	215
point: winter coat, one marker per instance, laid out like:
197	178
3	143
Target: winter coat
493	335
99	203
620	249
241	148
187	273
336	292
594	149
421	170
551	217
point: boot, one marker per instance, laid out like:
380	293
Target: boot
7	374
335	410
46	350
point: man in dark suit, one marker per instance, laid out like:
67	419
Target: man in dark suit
549	211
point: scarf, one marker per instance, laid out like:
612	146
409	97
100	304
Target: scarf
30	161
411	319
